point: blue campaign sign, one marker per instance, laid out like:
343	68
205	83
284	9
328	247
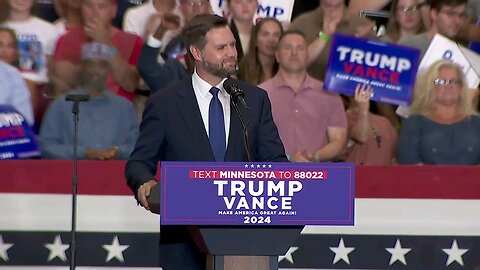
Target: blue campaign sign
389	68
17	139
276	193
475	46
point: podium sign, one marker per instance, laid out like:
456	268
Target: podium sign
389	68
235	193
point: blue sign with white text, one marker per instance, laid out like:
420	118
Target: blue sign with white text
389	68
238	193
17	139
475	46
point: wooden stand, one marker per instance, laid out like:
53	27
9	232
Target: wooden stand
242	262
238	247
242	247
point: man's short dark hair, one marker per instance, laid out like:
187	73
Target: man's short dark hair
438	4
195	31
291	32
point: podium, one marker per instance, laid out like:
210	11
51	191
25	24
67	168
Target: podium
238	247
245	215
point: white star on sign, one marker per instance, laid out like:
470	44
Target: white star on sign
341	252
269	166
252	166
264	166
454	253
398	253
246	165
57	249
258	165
288	255
115	250
3	249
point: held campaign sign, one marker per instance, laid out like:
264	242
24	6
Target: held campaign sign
442	48
236	193
390	69
279	9
17	139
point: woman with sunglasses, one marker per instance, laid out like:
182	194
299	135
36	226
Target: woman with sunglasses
443	127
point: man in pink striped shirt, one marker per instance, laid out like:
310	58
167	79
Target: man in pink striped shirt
311	122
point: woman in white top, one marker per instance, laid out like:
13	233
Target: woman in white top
36	40
242	13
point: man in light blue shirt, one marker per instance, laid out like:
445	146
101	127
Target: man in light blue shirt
108	126
14	91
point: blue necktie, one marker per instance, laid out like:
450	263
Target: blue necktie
216	126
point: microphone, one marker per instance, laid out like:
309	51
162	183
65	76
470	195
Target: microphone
76	101
235	92
77	98
237	96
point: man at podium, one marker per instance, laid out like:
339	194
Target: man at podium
194	120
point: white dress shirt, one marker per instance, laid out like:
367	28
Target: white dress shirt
203	95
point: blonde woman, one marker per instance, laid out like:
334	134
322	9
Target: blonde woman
443	127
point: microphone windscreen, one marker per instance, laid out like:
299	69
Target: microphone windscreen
229	85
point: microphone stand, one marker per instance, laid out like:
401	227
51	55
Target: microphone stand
75	110
245	131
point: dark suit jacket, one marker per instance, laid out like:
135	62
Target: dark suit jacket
172	130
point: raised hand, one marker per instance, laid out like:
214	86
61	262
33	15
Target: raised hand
363	93
98	31
159	24
331	20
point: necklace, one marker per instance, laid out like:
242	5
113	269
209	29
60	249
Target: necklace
378	137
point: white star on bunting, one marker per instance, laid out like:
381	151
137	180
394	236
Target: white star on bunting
288	255
454	253
398	253
57	249
341	252
115	250
3	249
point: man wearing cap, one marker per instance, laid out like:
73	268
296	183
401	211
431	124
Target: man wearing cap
108	125
98	15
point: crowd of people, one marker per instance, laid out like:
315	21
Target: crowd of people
122	63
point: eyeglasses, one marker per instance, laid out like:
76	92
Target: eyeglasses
453	82
451	14
197	3
406	9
